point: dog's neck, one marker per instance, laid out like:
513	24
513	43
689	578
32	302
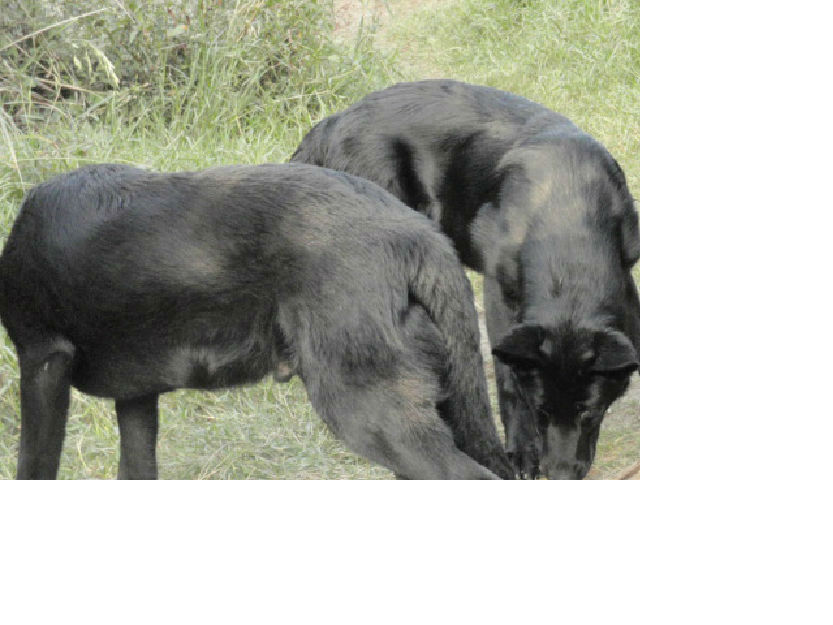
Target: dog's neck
566	278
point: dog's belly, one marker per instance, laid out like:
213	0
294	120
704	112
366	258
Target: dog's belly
123	374
208	367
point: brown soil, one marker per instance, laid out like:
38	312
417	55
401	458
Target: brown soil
350	15
377	16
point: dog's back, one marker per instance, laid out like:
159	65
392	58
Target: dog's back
434	144
148	282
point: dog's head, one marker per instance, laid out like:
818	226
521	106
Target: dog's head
569	376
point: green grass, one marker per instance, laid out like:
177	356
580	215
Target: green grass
248	97
578	57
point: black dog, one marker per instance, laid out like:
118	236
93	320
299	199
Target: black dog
127	284
543	211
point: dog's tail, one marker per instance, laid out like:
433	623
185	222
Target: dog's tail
313	147
439	284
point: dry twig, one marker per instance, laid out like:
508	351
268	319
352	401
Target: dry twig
629	472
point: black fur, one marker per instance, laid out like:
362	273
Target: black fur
127	284
543	211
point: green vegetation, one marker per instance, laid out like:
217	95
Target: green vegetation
187	84
578	57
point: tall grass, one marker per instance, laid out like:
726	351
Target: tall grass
187	84
578	57
169	84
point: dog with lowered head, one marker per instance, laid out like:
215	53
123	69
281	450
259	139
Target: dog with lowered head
543	211
126	284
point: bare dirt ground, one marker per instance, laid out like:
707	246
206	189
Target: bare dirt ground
617	455
350	15
377	16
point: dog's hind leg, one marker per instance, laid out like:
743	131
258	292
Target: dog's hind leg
476	437
138	427
398	428
416	446
45	372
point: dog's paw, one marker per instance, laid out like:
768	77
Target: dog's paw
525	462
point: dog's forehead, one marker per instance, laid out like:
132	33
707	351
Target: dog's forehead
565	377
567	348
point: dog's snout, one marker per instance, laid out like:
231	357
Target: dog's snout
566	470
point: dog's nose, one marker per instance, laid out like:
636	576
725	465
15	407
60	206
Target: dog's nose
563	474
567	471
561	471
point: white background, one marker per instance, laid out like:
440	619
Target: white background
730	522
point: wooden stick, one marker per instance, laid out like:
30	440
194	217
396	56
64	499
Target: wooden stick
629	472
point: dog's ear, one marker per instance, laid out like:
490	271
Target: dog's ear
629	228
614	353
630	238
521	347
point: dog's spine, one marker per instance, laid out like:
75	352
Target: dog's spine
311	150
440	285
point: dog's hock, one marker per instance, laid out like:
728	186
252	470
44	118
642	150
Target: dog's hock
283	372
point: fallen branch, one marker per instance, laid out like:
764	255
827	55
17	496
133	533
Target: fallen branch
629	472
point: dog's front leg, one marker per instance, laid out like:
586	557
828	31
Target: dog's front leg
138	427
44	401
523	442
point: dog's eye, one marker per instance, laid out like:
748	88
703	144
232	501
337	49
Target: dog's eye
580	407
